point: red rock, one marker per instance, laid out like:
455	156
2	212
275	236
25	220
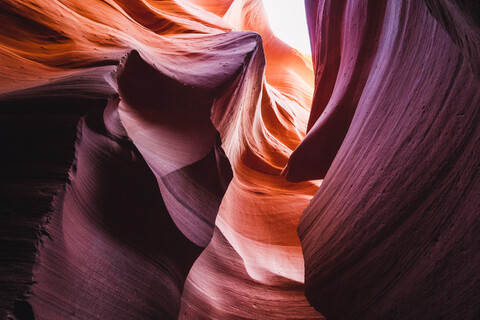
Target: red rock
393	231
188	187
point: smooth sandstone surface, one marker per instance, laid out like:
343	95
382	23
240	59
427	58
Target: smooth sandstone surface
392	233
162	160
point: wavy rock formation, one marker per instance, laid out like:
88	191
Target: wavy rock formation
393	231
150	169
182	142
256	224
108	253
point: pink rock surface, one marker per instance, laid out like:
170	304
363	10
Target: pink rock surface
109	252
393	230
194	190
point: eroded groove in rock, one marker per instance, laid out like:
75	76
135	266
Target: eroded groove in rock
461	20
187	190
392	231
188	103
262	124
109	252
345	35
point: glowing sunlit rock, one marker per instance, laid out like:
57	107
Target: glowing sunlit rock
180	140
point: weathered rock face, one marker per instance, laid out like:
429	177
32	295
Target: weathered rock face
109	252
197	148
196	119
393	230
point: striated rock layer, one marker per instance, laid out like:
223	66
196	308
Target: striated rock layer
199	145
392	233
259	213
191	108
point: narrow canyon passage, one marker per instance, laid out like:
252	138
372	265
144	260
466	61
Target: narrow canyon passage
177	159
254	259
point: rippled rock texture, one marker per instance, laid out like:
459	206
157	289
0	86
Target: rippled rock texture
393	230
175	159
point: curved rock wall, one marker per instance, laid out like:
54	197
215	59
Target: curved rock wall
393	230
194	190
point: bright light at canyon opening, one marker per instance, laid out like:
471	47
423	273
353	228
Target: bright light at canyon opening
288	21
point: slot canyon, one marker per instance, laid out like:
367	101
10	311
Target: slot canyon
177	159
